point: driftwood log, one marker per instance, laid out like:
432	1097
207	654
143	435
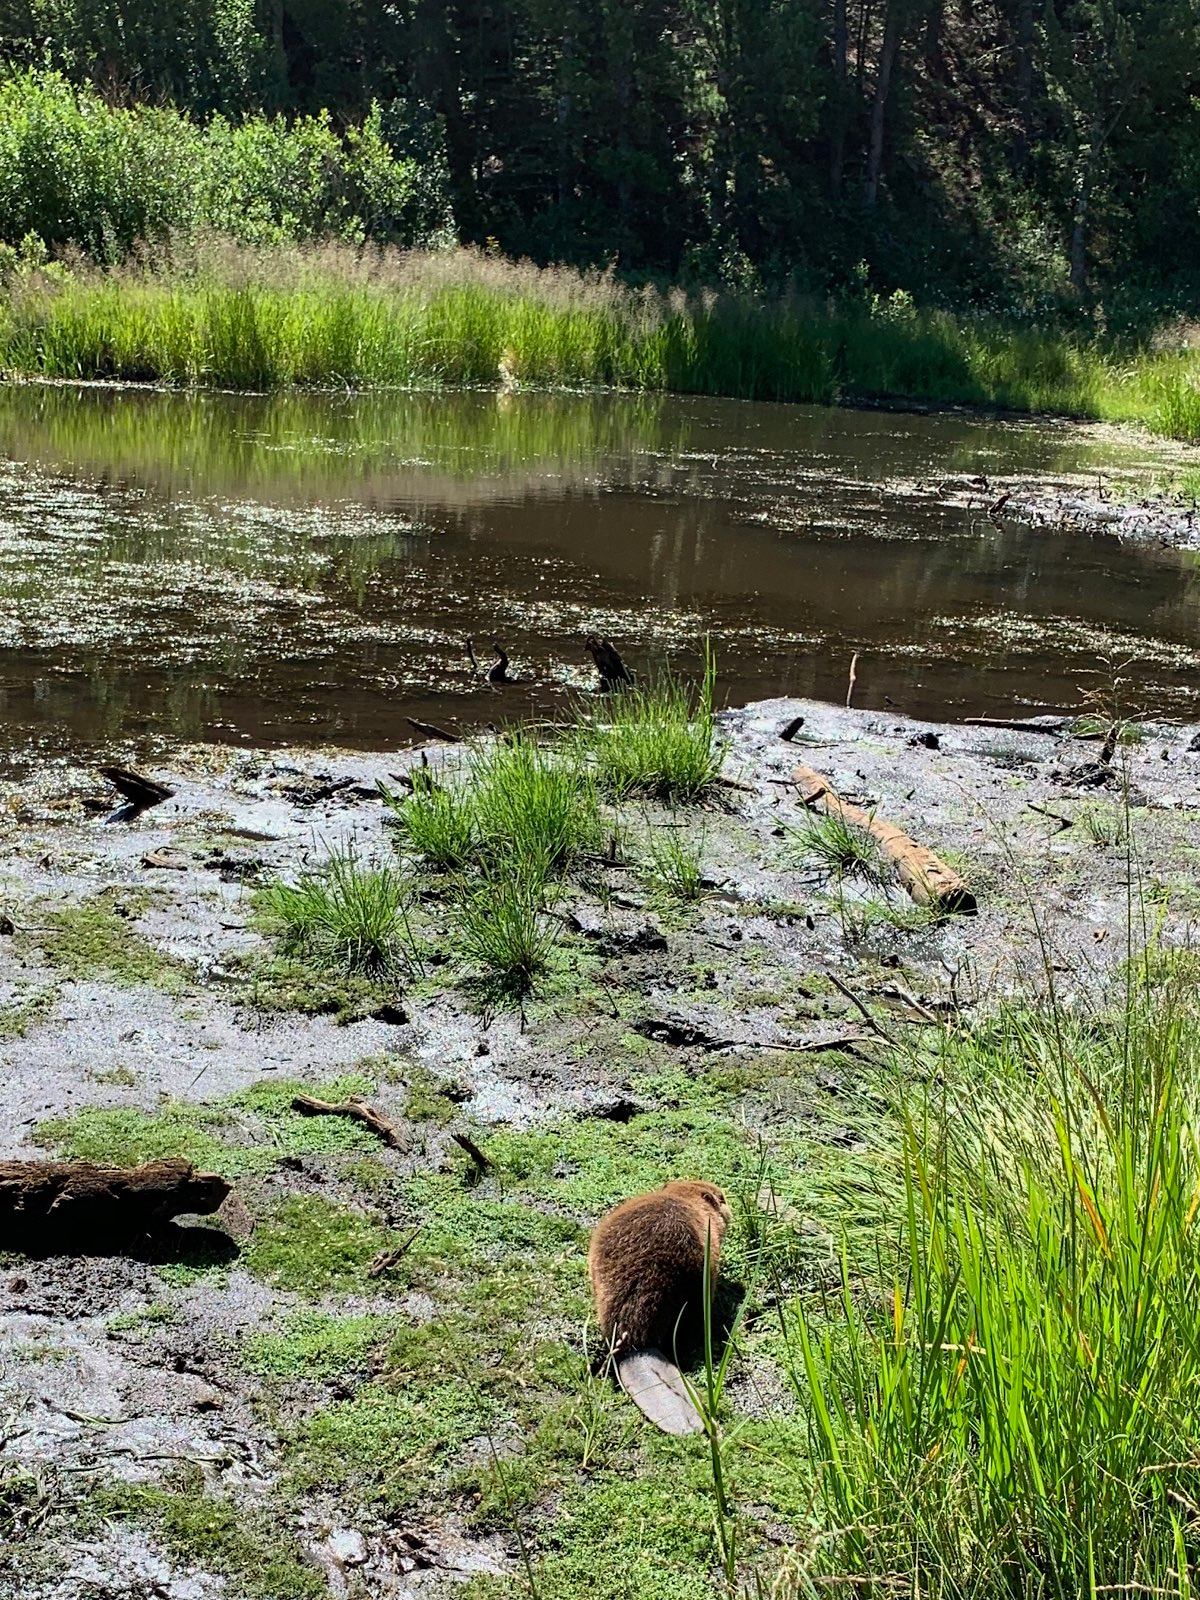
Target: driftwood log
81	1204
430	730
927	878
358	1110
1020	724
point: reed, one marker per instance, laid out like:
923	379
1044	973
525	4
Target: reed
1010	1404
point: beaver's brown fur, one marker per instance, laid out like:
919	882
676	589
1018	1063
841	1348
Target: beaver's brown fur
646	1265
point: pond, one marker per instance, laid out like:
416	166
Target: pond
307	568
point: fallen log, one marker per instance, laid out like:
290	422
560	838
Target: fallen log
430	730
1020	724
309	1106
927	878
81	1204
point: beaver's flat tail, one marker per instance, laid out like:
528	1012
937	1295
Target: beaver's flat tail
656	1387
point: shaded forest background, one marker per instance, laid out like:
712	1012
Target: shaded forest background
1005	154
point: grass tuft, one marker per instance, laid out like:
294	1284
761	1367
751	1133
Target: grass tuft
658	741
676	863
840	851
507	932
436	825
536	811
347	915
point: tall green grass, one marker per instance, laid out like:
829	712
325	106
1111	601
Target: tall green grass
330	315
1011	1405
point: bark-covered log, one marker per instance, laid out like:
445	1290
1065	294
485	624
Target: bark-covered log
927	877
81	1204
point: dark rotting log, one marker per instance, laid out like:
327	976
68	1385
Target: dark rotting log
612	670
83	1204
1050	725
139	791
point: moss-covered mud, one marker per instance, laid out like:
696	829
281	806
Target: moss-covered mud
388	1388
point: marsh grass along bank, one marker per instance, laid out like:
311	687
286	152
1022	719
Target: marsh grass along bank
958	1300
239	317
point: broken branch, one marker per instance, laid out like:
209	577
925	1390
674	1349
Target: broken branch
860	1008
482	1162
309	1106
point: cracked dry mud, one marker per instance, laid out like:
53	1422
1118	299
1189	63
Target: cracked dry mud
274	1420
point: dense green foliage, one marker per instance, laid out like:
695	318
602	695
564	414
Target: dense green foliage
1010	151
77	172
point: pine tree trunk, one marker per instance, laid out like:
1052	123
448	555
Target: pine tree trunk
887	60
1024	86
837	143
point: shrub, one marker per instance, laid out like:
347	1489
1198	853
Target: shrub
76	171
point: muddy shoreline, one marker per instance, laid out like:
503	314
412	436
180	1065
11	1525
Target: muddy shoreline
136	1017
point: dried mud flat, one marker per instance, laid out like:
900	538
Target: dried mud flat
385	1390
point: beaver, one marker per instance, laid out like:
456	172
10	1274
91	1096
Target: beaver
646	1267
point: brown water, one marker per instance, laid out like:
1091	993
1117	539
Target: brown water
306	568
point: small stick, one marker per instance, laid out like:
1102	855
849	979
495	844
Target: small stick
472	660
387	1259
430	730
482	1162
899	992
309	1106
845	1041
859	1007
853	679
1044	811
